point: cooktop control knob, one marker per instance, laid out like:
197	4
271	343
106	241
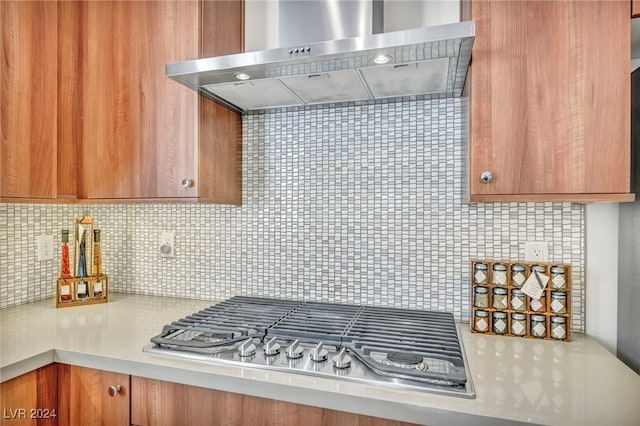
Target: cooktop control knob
342	360
295	350
247	348
318	353
271	347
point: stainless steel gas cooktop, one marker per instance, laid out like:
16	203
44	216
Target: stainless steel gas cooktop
410	349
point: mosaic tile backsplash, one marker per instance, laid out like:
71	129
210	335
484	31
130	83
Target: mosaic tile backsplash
357	204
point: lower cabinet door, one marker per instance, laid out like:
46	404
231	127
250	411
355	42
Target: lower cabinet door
159	403
92	397
30	399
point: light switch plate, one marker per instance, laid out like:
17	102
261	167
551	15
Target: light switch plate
44	244
166	247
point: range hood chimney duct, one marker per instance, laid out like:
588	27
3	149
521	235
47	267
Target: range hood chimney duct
333	51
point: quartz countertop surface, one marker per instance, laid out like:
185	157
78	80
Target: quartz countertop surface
516	380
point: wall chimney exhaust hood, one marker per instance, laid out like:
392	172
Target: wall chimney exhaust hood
422	63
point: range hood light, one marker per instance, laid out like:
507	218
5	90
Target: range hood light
381	59
242	76
427	61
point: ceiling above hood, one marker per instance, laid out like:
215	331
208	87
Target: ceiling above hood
419	62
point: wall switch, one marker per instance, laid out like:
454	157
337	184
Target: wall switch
44	244
536	251
167	244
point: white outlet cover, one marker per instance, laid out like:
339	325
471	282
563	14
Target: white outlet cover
44	244
536	251
166	248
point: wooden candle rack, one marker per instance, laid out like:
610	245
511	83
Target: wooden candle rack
94	285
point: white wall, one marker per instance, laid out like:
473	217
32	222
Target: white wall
628	342
601	308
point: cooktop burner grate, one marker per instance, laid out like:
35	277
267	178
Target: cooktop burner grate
398	344
227	322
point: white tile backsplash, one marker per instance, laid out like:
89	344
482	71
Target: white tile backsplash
359	204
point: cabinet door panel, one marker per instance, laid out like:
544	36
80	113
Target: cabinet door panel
155	402
30	399
220	153
550	93
140	126
105	102
84	398
220	173
69	95
163	113
28	84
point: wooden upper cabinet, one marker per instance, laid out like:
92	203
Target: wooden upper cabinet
550	101
635	8
69	96
86	110
139	127
28	89
141	130
220	129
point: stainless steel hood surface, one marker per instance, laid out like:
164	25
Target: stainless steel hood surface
429	61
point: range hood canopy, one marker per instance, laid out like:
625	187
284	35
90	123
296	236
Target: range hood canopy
429	61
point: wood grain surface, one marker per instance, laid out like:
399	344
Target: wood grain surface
550	100
28	84
84	398
159	403
149	132
220	130
140	127
31	399
70	113
635	8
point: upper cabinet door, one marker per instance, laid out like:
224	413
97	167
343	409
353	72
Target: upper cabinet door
550	101
86	110
139	127
220	136
28	107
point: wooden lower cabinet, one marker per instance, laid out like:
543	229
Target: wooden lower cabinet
31	399
84	397
155	402
67	395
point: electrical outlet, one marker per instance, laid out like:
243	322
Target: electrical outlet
536	251
44	243
167	244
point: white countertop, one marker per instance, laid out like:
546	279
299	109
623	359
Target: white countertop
516	380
